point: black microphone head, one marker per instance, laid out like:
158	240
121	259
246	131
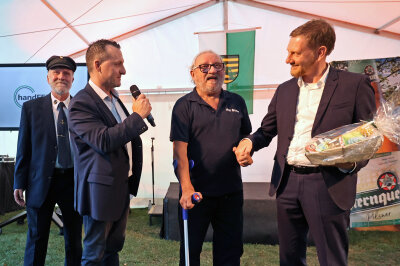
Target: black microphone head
135	91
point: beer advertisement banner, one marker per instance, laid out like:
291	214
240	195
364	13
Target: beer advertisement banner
378	196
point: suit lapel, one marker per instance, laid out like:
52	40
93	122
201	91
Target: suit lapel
107	114
48	112
123	107
329	89
130	142
290	105
134	151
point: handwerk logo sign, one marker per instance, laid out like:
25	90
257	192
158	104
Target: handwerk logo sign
25	93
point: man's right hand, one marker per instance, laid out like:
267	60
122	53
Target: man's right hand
242	152
141	105
19	197
186	198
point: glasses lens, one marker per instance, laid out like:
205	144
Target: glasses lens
204	68
218	66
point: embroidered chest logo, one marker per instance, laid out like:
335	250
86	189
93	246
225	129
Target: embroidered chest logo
231	110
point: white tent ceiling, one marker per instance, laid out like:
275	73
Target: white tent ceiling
32	30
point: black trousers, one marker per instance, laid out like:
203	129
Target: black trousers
61	191
303	205
225	213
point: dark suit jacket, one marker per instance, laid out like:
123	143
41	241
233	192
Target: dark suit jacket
347	98
101	159
36	150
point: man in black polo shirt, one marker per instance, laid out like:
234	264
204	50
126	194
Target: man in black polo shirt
206	124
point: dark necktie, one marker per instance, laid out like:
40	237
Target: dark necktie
64	150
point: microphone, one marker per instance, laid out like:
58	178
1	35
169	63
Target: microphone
135	93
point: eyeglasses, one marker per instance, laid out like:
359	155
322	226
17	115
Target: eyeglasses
206	67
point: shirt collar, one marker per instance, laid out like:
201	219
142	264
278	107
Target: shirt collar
319	84
102	93
55	101
194	96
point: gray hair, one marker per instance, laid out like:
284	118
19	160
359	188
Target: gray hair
201	53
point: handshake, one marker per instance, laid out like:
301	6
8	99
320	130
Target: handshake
242	152
243	157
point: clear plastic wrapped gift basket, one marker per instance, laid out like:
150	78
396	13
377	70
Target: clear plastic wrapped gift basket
357	142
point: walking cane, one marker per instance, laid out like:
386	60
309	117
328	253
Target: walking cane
152	168
195	199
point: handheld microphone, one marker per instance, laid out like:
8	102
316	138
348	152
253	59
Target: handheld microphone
135	93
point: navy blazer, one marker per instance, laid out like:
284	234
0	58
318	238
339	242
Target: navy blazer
347	98
36	150
101	159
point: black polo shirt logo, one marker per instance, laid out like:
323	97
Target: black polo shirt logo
232	110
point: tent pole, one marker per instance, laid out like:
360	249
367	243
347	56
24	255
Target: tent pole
395	20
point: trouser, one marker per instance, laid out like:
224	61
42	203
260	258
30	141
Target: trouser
61	191
303	205
225	213
103	240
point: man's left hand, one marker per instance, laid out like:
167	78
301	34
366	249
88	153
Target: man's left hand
242	152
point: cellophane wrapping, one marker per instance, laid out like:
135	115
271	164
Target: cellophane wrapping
387	118
360	141
350	143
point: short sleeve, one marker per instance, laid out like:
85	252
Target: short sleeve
180	121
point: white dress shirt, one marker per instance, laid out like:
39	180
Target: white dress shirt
307	106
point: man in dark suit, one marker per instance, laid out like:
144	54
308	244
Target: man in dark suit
44	166
107	150
319	98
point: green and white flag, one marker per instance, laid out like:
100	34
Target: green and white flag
237	51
